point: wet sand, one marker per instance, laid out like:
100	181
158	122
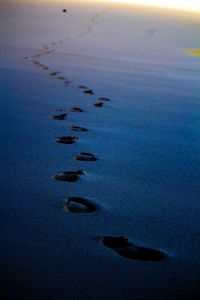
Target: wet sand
100	174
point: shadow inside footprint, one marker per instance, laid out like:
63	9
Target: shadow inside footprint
69	176
77	109
67	139
60	117
79	205
85	156
78	128
104	99
100	104
124	248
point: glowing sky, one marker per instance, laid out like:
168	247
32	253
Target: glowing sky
189	5
186	5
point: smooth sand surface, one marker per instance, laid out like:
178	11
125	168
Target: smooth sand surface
144	181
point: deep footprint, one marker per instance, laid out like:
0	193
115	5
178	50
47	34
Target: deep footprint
124	248
100	104
77	109
78	128
85	156
60	117
69	176
79	205
67	139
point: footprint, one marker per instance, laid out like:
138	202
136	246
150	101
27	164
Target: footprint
104	99
88	92
61	78
124	248
77	109
85	156
83	87
54	73
79	205
60	117
77	128
69	176
99	104
67	139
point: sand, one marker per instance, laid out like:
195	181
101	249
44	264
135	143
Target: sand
100	143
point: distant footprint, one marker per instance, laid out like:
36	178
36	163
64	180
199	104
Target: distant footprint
78	128
85	156
69	176
54	73
79	205
124	248
67	82
60	117
99	104
77	109
88	92
104	99
61	78
67	139
83	87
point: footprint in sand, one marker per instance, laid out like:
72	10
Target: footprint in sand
61	78
78	128
54	73
99	104
67	139
77	109
104	99
67	82
124	248
69	176
79	205
60	117
86	90
85	156
83	87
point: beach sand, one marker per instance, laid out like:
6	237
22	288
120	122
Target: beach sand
99	140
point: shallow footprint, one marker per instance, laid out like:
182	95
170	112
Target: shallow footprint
69	176
60	117
79	205
78	128
83	87
54	73
104	99
100	104
67	139
124	248
77	109
61	78
85	156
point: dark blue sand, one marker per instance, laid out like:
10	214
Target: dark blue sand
147	140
